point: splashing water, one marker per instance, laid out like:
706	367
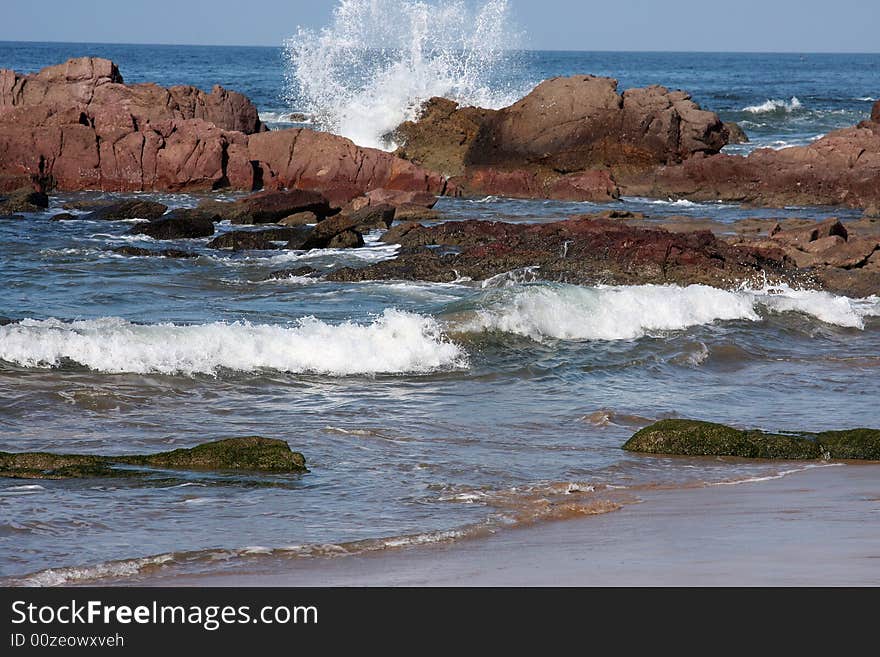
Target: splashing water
379	60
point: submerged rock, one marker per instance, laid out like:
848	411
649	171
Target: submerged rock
696	438
252	453
137	251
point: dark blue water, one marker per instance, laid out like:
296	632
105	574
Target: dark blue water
428	411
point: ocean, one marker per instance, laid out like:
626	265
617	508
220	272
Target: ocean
427	412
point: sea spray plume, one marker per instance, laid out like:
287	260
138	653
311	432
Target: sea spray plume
379	60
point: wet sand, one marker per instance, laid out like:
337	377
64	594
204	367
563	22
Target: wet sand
817	527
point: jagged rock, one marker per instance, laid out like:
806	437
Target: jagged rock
578	125
735	134
77	126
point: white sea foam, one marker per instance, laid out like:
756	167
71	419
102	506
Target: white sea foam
395	342
775	105
570	312
379	60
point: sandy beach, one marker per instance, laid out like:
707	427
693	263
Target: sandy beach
819	527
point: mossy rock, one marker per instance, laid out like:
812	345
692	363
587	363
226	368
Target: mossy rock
857	444
243	454
695	438
251	453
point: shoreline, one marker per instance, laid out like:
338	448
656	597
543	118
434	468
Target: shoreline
815	527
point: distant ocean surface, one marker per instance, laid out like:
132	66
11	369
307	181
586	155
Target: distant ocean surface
779	99
427	412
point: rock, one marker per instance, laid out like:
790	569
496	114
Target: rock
63	216
88	205
323	234
841	168
396	234
373	217
695	438
299	219
242	240
136	251
306	159
875	112
823	244
410	213
853	283
178	224
581	251
851	444
269	207
564	126
735	134
873	264
124	210
851	254
245	454
398	198
79	127
23	200
811	232
298	272
348	239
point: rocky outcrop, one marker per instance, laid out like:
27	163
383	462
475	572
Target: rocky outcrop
78	126
695	438
253	453
270	207
842	168
133	209
563	140
586	250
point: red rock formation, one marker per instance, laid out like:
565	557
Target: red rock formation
78	126
562	140
842	168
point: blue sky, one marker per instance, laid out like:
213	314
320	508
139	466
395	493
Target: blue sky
745	25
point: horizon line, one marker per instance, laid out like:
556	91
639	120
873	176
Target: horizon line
599	50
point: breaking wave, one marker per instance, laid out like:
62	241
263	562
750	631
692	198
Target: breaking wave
775	106
379	60
395	342
570	312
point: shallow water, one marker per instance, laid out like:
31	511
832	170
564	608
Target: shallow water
426	411
421	407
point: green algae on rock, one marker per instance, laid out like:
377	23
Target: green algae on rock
697	438
252	453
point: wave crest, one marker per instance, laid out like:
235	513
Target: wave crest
569	312
395	342
775	106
